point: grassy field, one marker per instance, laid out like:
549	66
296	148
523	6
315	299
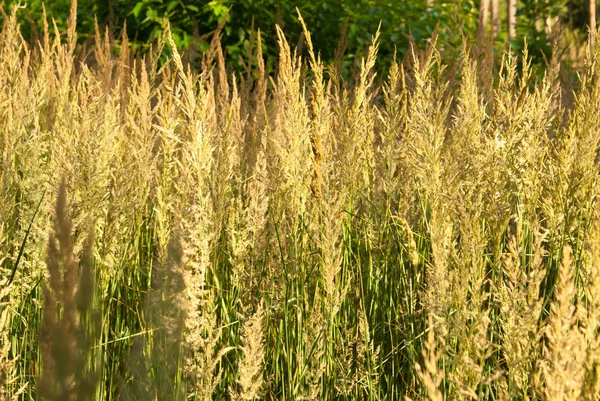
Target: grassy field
167	234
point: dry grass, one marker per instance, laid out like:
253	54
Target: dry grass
70	323
424	234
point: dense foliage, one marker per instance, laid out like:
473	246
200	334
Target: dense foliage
191	21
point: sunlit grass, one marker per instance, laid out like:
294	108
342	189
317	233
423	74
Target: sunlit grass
299	236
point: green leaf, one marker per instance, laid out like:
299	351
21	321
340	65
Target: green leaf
172	4
151	15
137	9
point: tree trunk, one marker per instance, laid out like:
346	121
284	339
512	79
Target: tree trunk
484	7
495	18
592	21
512	19
550	22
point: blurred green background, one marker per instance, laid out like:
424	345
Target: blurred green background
146	20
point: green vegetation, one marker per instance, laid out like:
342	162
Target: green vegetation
173	233
191	24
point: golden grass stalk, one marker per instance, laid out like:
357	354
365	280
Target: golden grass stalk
521	309
251	367
393	121
166	314
429	373
468	370
592	321
289	149
68	328
7	362
562	369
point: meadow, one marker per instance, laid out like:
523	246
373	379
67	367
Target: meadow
175	233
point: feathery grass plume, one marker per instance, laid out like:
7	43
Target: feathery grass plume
362	117
8	373
99	162
167	318
591	283
117	184
228	140
200	233
320	114
562	367
573	182
246	230
201	321
466	169
69	368
23	154
253	109
390	148
328	208
356	121
470	375
238	234
213	129
497	214
166	315
103	57
10	65
88	142
470	372
438	295
467	142
289	280
123	76
522	115
24	176
527	123
310	360
358	362
425	136
64	61
426	132
367	361
468	368
209	354
203	334
258	204
6	363
331	231
170	140
289	149
334	282
521	308
251	366
330	198
229	147
430	374
242	282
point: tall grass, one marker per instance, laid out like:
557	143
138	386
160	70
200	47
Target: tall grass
428	233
